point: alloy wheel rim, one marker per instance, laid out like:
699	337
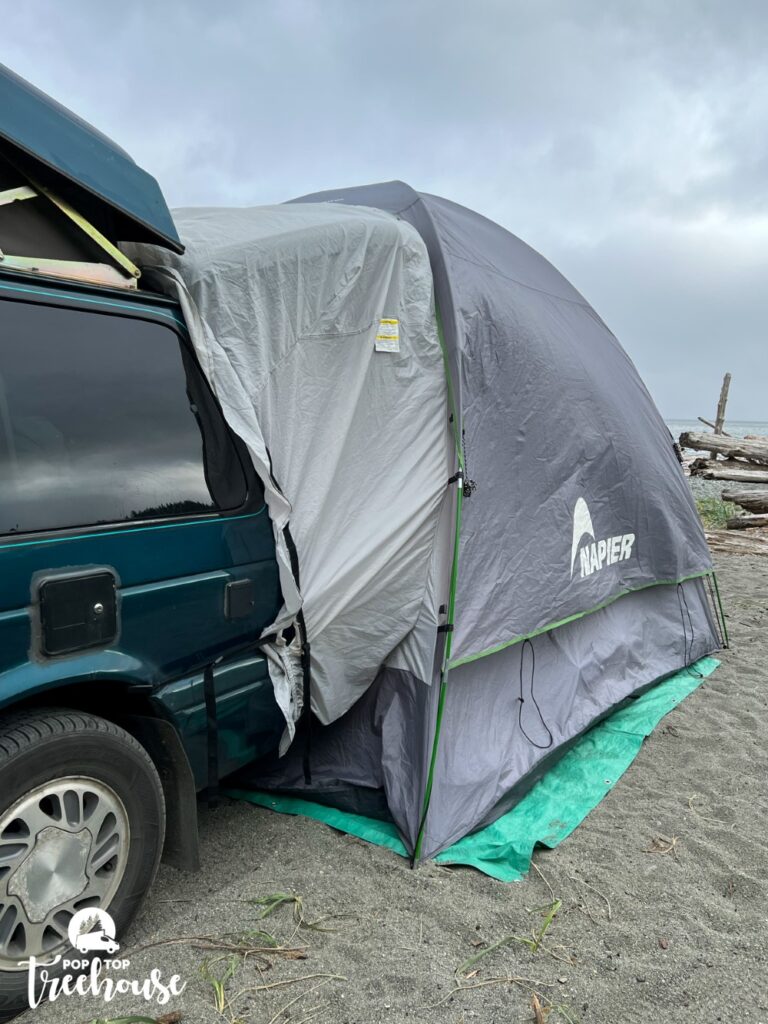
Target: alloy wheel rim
63	848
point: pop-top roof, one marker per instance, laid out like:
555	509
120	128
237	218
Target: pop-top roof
52	145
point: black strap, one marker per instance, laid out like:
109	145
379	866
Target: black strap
212	723
306	711
447	627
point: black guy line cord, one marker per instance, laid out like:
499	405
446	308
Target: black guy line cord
687	648
521	700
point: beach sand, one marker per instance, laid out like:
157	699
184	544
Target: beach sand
664	913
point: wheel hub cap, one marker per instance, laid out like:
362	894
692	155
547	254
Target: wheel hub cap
53	873
63	848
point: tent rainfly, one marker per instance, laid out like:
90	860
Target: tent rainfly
485	538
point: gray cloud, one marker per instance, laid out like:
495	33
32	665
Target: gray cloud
625	142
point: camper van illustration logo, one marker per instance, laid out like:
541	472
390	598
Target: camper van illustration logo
93	931
595	555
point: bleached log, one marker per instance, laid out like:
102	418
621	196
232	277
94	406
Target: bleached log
720	417
755	450
746	522
709	423
737	542
729	469
753	501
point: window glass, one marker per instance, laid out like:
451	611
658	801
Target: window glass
101	422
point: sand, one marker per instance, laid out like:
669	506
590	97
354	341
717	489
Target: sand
685	939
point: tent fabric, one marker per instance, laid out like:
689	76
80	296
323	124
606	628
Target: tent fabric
494	540
554	419
550	811
491	748
285	305
568	678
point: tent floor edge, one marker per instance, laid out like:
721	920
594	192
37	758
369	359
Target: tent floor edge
524	785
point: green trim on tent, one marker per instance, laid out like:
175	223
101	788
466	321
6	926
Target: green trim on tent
444	668
553	808
579	615
443	673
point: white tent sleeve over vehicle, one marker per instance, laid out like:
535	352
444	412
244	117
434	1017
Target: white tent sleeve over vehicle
315	327
513	527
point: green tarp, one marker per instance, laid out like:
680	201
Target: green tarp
552	809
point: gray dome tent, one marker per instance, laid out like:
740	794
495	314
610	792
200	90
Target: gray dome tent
531	555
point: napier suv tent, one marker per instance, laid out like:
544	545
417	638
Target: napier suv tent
486	540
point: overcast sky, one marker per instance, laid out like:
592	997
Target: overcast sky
627	142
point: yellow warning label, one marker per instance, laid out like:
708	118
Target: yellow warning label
388	336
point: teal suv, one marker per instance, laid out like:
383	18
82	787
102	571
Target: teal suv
136	569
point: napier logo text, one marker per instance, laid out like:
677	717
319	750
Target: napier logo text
595	555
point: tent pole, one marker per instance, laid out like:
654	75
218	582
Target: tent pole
443	671
451	594
722	613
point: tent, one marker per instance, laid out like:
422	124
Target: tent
486	540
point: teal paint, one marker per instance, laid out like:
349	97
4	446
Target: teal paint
131	307
48	136
171	582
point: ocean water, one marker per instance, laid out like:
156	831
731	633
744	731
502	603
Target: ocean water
736	428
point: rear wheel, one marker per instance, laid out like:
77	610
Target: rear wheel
82	822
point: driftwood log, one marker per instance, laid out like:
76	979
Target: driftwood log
709	423
746	522
734	470
754	449
720	415
753	501
738	543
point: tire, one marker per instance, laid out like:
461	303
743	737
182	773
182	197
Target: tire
80	790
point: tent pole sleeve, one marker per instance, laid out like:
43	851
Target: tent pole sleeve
452	591
443	672
451	395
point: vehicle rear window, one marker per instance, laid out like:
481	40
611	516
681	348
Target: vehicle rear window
101	422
